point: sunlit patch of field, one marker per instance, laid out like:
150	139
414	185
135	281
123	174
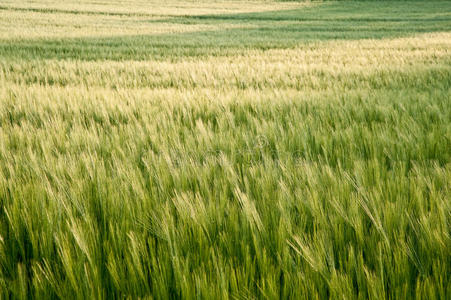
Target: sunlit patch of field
152	7
225	149
51	19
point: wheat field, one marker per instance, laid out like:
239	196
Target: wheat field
225	149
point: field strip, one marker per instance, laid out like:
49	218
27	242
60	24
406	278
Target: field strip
149	9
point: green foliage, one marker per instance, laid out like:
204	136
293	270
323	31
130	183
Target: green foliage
250	153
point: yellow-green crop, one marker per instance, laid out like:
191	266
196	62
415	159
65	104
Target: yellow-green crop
225	149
